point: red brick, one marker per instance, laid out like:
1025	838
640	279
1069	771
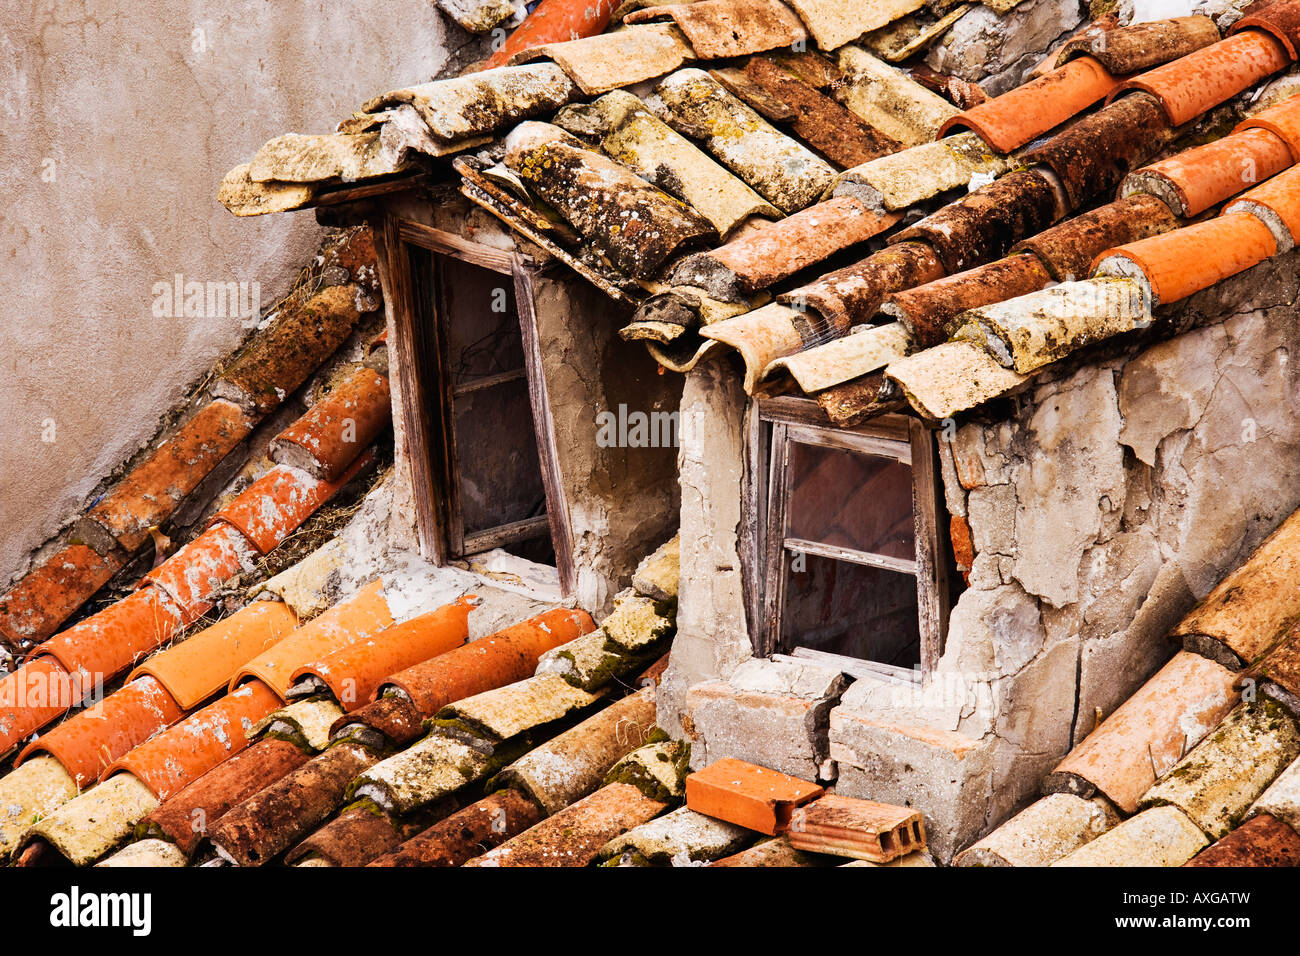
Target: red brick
861	829
748	795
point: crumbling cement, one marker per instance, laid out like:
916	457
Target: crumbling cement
998	50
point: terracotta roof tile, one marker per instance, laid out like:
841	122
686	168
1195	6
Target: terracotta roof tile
1021	115
1162	836
1279	670
193	575
466	833
608	61
389	720
552	21
776	852
1068	249
1275	204
435	767
852	295
34	695
1203	79
1282	120
889	99
326	440
187	816
1042	833
1141	46
575	835
243	197
763	336
362	832
305	722
169	761
354	672
950	378
33	609
834	23
748	795
1280	20
868	349
1149	733
919	173
1261	841
723	28
506	712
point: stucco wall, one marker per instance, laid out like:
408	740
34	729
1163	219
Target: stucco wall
120	120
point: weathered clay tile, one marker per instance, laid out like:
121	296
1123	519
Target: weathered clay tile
89	741
869	348
635	137
594	660
889	99
1141	46
1204	78
859	829
243	197
362	832
33	609
480	103
718	29
575	835
38	692
326	440
553	21
573	764
90	825
1193	181
1042	833
305	722
1260	841
850	296
1280	20
658	770
1035	329
195	573
264	825
1282	119
186	817
390	720
477	16
1021	115
294	345
431	769
1149	733
984	224
681	836
1068	249
332	157
506	712
199	666
1223	775
1282	798
834	23
622	58
635	225
28	793
1254	606
918	173
107	643
763	336
305	587
656	576
352	673
347	622
1278	670
748	795
1274	203
1162	836
146	853
775	853
467	833
834	131
775	251
954	377
1092	154
927	311
779	168
1176	264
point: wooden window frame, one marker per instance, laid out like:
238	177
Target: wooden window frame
771	424
426	394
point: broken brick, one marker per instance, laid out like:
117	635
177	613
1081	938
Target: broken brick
748	795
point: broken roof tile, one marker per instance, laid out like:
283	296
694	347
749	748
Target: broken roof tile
1204	78
1175	264
919	173
573	764
1282	119
467	833
1226	772
607	61
1035	329
1280	20
950	378
193	575
243	197
1069	248
778	250
779	168
637	226
850	296
28	793
1041	834
1149	733
748	795
834	131
90	825
553	21
927	311
186	817
1193	181
574	836
656	575
912	33
298	158
328	438
859	829
1162	836
868	348
1021	115
352	673
1141	46
265	824
1275	204
834	23
718	29
1260	841
1253	606
33	609
480	103
478	16
168	761
763	336
889	99
635	137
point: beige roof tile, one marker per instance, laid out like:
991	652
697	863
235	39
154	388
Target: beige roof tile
726	28
608	61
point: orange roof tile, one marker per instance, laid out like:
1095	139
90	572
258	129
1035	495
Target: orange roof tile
1282	120
192	575
1279	20
107	643
34	608
1193	181
328	438
553	21
1276	203
32	696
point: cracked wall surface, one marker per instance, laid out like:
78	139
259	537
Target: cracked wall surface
120	121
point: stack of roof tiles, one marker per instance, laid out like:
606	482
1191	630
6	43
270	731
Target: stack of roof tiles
724	166
1200	766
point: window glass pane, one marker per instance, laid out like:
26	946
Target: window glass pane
851	500
480	319
850	609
